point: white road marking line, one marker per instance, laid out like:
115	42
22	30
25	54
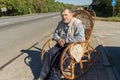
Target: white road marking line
4	23
56	17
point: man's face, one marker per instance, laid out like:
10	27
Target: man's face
66	16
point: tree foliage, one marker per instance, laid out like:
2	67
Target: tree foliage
39	5
104	7
117	8
16	7
19	7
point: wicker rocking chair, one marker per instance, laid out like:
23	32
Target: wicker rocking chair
76	69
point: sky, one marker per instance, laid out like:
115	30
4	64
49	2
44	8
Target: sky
76	2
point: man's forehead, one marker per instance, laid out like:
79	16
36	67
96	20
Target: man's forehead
66	12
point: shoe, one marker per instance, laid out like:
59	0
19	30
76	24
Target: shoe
37	79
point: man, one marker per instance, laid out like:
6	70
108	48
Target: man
69	30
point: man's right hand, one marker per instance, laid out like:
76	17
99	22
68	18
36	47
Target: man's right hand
61	42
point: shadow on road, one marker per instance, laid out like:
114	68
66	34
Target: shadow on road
114	53
33	61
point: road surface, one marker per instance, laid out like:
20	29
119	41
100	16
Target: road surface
109	34
20	32
35	30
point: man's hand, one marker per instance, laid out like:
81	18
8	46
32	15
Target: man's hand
61	42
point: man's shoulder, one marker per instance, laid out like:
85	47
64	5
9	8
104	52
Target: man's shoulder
76	20
61	22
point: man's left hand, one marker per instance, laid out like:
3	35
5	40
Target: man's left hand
61	42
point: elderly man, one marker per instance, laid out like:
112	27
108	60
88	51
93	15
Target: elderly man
69	29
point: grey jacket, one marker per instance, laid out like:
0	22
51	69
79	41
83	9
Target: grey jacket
72	32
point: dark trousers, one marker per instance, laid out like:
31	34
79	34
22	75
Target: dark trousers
51	68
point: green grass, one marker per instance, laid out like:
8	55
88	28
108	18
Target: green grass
116	19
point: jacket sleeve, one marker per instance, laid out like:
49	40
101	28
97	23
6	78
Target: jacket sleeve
56	35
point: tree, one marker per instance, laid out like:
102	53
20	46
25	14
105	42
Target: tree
39	5
17	7
102	7
117	8
20	7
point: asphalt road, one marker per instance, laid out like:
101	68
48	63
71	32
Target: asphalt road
15	37
21	32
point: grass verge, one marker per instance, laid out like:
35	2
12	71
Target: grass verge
116	19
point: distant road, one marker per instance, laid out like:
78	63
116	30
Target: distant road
23	19
21	32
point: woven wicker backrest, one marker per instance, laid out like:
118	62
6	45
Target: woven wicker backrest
93	14
87	21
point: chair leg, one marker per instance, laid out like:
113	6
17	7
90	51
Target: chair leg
72	71
88	56
81	64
